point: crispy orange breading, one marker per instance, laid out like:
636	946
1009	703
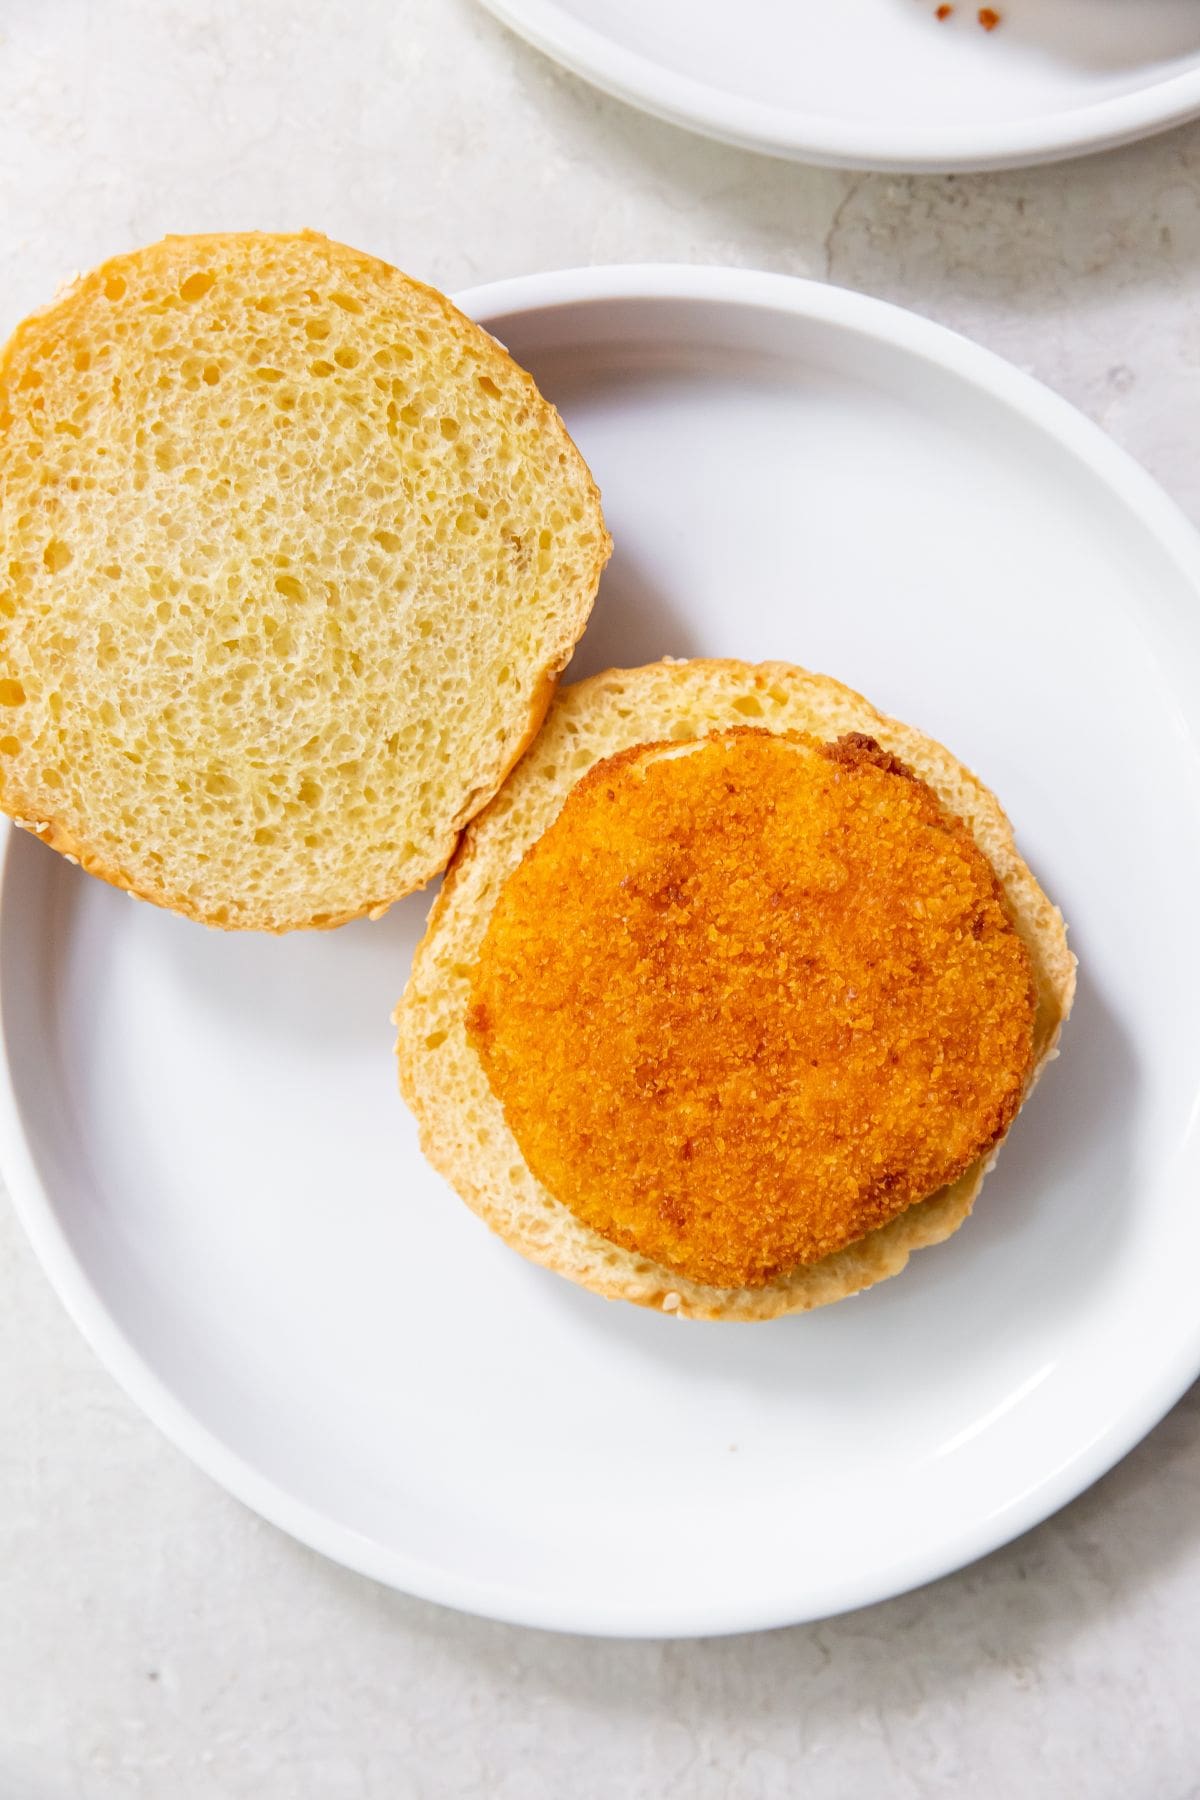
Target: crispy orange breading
749	998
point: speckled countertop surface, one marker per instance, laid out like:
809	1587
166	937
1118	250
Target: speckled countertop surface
155	1639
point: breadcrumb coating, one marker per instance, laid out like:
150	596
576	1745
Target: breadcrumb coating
751	997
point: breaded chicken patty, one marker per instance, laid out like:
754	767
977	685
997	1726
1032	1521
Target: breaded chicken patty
749	998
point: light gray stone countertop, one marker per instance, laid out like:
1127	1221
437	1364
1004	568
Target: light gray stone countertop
157	1642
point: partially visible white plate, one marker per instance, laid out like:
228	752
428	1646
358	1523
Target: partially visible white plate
883	84
203	1136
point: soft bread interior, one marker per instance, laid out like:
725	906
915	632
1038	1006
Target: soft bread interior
293	555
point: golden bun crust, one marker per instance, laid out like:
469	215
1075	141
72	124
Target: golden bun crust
294	555
462	1126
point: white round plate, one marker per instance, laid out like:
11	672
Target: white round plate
203	1135
883	84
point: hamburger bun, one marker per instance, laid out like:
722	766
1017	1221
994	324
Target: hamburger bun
294	553
752	974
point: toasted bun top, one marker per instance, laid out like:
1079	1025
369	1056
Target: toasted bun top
749	998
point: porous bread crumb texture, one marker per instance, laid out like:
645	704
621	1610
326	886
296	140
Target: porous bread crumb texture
462	1125
743	1004
292	554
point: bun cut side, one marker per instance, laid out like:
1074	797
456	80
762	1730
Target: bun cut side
293	555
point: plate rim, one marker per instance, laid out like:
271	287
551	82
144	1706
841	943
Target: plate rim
800	136
692	1615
